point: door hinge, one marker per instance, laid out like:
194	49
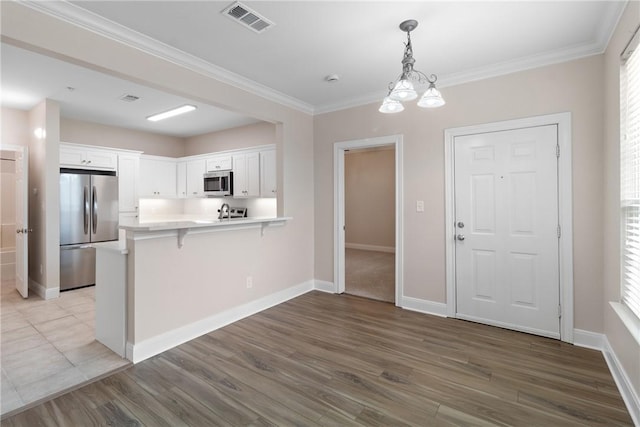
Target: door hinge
559	231
559	310
557	150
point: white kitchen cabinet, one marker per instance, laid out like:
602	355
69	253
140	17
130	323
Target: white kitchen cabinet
191	178
82	157
195	178
246	175
219	163
181	179
128	177
158	177
268	176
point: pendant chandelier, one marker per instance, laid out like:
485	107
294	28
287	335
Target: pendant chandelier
402	88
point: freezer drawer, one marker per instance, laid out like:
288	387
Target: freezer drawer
77	266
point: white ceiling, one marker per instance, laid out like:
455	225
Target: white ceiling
360	41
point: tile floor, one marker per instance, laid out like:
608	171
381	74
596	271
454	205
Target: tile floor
370	274
47	346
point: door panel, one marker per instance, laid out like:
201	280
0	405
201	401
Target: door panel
506	196
22	221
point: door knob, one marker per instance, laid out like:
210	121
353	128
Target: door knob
19	230
460	237
460	224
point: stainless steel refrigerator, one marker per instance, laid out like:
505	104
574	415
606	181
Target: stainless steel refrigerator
88	214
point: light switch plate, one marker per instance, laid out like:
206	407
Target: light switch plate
419	205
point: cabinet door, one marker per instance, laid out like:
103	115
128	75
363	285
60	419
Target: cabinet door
219	163
181	179
128	182
195	178
86	158
246	175
101	159
72	156
268	179
166	176
240	175
253	175
157	178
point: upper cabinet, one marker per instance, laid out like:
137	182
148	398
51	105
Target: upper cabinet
86	157
268	176
191	178
157	177
246	175
128	178
220	163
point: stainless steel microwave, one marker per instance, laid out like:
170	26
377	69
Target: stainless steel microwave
218	184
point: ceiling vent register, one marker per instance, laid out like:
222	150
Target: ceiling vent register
247	17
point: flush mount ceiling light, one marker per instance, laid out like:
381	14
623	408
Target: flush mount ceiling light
174	112
402	88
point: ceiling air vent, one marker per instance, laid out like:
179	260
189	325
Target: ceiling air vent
129	98
247	17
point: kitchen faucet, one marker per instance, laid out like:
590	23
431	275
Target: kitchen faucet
224	209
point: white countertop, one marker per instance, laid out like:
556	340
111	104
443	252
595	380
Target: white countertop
113	246
180	222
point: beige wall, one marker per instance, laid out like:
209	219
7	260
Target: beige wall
14	127
625	347
81	132
574	86
241	137
369	191
288	249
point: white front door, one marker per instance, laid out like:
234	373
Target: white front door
506	210
22	221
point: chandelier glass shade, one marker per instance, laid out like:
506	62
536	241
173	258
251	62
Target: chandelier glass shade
402	89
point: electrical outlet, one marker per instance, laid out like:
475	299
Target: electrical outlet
249	282
419	205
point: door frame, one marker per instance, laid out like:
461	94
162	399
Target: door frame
565	208
339	149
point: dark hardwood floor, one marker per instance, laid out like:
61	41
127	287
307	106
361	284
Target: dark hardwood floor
323	359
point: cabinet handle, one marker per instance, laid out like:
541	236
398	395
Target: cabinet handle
83	161
88	161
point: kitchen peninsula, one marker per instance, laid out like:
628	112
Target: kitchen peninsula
187	275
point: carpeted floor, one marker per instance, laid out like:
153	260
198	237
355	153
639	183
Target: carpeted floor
370	274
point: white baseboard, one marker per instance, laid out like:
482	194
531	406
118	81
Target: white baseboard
424	306
42	292
621	378
362	247
324	286
588	339
138	352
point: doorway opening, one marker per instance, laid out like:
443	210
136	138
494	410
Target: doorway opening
508	225
369	193
368	218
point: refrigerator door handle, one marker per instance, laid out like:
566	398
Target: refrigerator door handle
95	210
86	210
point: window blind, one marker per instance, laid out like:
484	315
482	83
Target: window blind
630	174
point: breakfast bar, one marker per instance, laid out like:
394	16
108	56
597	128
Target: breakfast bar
185	276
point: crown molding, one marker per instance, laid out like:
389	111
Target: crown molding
83	18
495	70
